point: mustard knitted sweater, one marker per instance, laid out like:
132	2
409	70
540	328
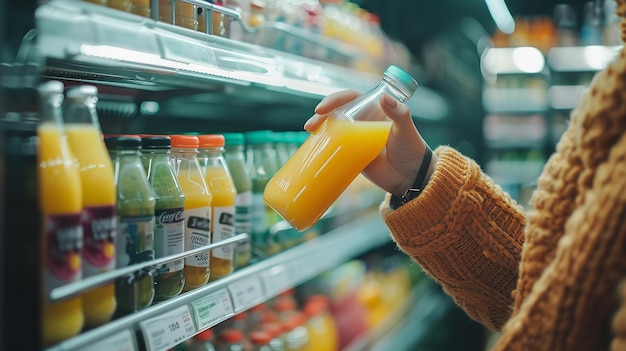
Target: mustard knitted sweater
548	280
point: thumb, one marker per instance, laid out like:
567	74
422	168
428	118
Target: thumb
400	115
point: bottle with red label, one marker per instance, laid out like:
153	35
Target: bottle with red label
99	197
60	202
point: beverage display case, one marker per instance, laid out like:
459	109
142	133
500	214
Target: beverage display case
155	77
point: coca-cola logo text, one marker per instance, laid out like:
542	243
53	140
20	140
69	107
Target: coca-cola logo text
171	217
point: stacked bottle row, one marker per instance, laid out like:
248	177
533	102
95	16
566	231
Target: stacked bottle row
596	24
340	21
329	313
122	200
278	325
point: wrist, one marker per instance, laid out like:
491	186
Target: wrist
415	185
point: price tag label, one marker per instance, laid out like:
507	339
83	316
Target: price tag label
212	309
246	293
122	341
276	280
168	330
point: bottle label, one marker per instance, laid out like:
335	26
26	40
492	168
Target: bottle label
169	235
64	243
135	240
99	231
258	215
243	221
223	228
197	234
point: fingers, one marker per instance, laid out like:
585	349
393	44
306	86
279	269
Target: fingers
395	110
335	100
314	122
328	104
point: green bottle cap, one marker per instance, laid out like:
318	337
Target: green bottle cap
232	139
404	79
259	137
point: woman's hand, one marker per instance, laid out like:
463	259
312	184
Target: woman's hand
395	169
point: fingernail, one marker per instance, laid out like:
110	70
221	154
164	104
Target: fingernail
320	105
390	102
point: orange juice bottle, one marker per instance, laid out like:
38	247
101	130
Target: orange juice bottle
99	198
60	201
197	208
331	158
222	188
323	335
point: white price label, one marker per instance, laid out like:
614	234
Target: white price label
168	330
276	280
246	293
122	341
212	309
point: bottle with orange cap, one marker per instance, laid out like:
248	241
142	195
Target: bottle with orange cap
222	188
197	208
320	324
204	341
261	341
231	339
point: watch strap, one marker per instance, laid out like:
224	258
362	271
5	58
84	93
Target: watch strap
416	189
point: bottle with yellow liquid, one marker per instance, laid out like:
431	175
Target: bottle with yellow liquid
197	208
334	155
60	202
99	199
222	188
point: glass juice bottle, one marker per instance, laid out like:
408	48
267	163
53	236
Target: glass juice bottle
99	197
234	153
60	202
197	208
135	223
261	159
169	216
223	191
331	158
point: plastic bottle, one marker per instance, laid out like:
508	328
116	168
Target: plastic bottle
320	324
261	159
230	340
332	157
224	193
197	208
234	153
261	341
60	202
275	331
296	334
99	198
204	341
135	223
169	215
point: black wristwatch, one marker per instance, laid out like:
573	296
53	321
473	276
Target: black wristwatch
415	190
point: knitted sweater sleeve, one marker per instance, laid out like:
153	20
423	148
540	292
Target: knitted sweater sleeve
466	233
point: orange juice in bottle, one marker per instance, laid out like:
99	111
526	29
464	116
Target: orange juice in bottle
197	208
99	197
331	158
185	14
60	200
222	188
